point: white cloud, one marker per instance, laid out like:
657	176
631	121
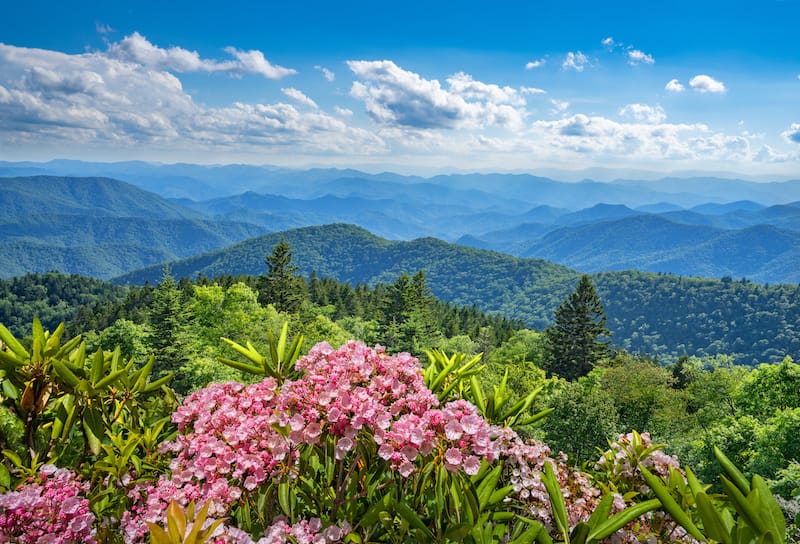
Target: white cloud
792	134
103	28
327	74
254	62
636	56
575	61
532	65
343	112
644	113
99	100
532	90
394	96
674	86
599	137
138	50
559	106
706	84
608	42
771	155
299	97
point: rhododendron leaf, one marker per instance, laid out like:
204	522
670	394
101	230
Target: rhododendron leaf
156	385
500	494
110	379
284	498
66	374
556	500
10	362
536	417
488	485
608	527
531	534
98	366
669	504
414	520
768	506
714	524
93	428
5	477
12	343
176	522
733	473
458	532
244	367
157	534
478	397
601	511
9	389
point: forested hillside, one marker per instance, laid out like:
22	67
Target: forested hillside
660	314
100	227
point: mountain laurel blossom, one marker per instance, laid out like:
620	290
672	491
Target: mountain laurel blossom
50	508
233	437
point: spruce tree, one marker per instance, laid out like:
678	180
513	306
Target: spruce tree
578	339
166	319
282	287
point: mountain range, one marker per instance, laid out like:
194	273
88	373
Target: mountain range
363	229
679	226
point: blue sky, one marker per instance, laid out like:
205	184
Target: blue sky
416	87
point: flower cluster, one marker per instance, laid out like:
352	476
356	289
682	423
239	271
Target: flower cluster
456	433
51	507
234	438
526	462
304	532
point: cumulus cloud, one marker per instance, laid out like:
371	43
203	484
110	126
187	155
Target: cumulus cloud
327	74
792	134
137	49
103	28
100	99
532	90
343	112
771	155
644	113
559	106
636	56
598	136
575	61
674	86
299	97
608	42
532	65
706	84
394	96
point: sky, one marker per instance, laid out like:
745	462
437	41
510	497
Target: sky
412	87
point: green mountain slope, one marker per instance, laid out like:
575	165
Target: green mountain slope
100	227
661	314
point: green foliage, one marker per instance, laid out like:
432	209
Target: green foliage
97	413
577	341
281	286
583	421
746	512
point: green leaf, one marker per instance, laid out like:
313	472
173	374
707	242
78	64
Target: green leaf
413	520
669	503
556	500
734	474
713	523
66	374
621	519
5	477
12	343
111	378
93	428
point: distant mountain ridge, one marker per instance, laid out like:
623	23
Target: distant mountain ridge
100	227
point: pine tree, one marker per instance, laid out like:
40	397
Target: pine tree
282	287
577	340
166	319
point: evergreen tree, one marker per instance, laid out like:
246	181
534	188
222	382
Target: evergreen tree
282	287
577	340
166	318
